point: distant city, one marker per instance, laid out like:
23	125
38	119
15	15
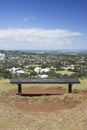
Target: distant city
76	51
43	63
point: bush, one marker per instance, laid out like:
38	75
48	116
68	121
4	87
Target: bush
6	74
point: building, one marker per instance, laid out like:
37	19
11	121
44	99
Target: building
40	70
43	76
2	56
37	69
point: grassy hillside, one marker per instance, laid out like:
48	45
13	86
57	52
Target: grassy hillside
12	118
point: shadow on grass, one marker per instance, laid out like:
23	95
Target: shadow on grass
33	95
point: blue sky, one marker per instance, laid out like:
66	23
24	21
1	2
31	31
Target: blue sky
43	24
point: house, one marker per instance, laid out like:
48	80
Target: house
20	72
43	76
13	70
37	69
68	67
2	56
17	70
40	70
44	70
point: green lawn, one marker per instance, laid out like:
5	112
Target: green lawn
65	72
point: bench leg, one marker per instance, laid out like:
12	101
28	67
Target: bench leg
70	88
19	89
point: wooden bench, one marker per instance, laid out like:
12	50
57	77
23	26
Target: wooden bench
20	81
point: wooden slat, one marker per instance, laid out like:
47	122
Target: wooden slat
45	81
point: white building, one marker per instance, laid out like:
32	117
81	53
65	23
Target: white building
37	69
17	70
2	56
44	70
69	67
13	70
20	72
43	76
40	70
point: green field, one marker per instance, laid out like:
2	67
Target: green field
12	118
65	72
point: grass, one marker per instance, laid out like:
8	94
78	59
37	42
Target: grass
69	119
82	85
5	85
65	72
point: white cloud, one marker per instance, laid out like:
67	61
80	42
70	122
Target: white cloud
29	18
36	38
